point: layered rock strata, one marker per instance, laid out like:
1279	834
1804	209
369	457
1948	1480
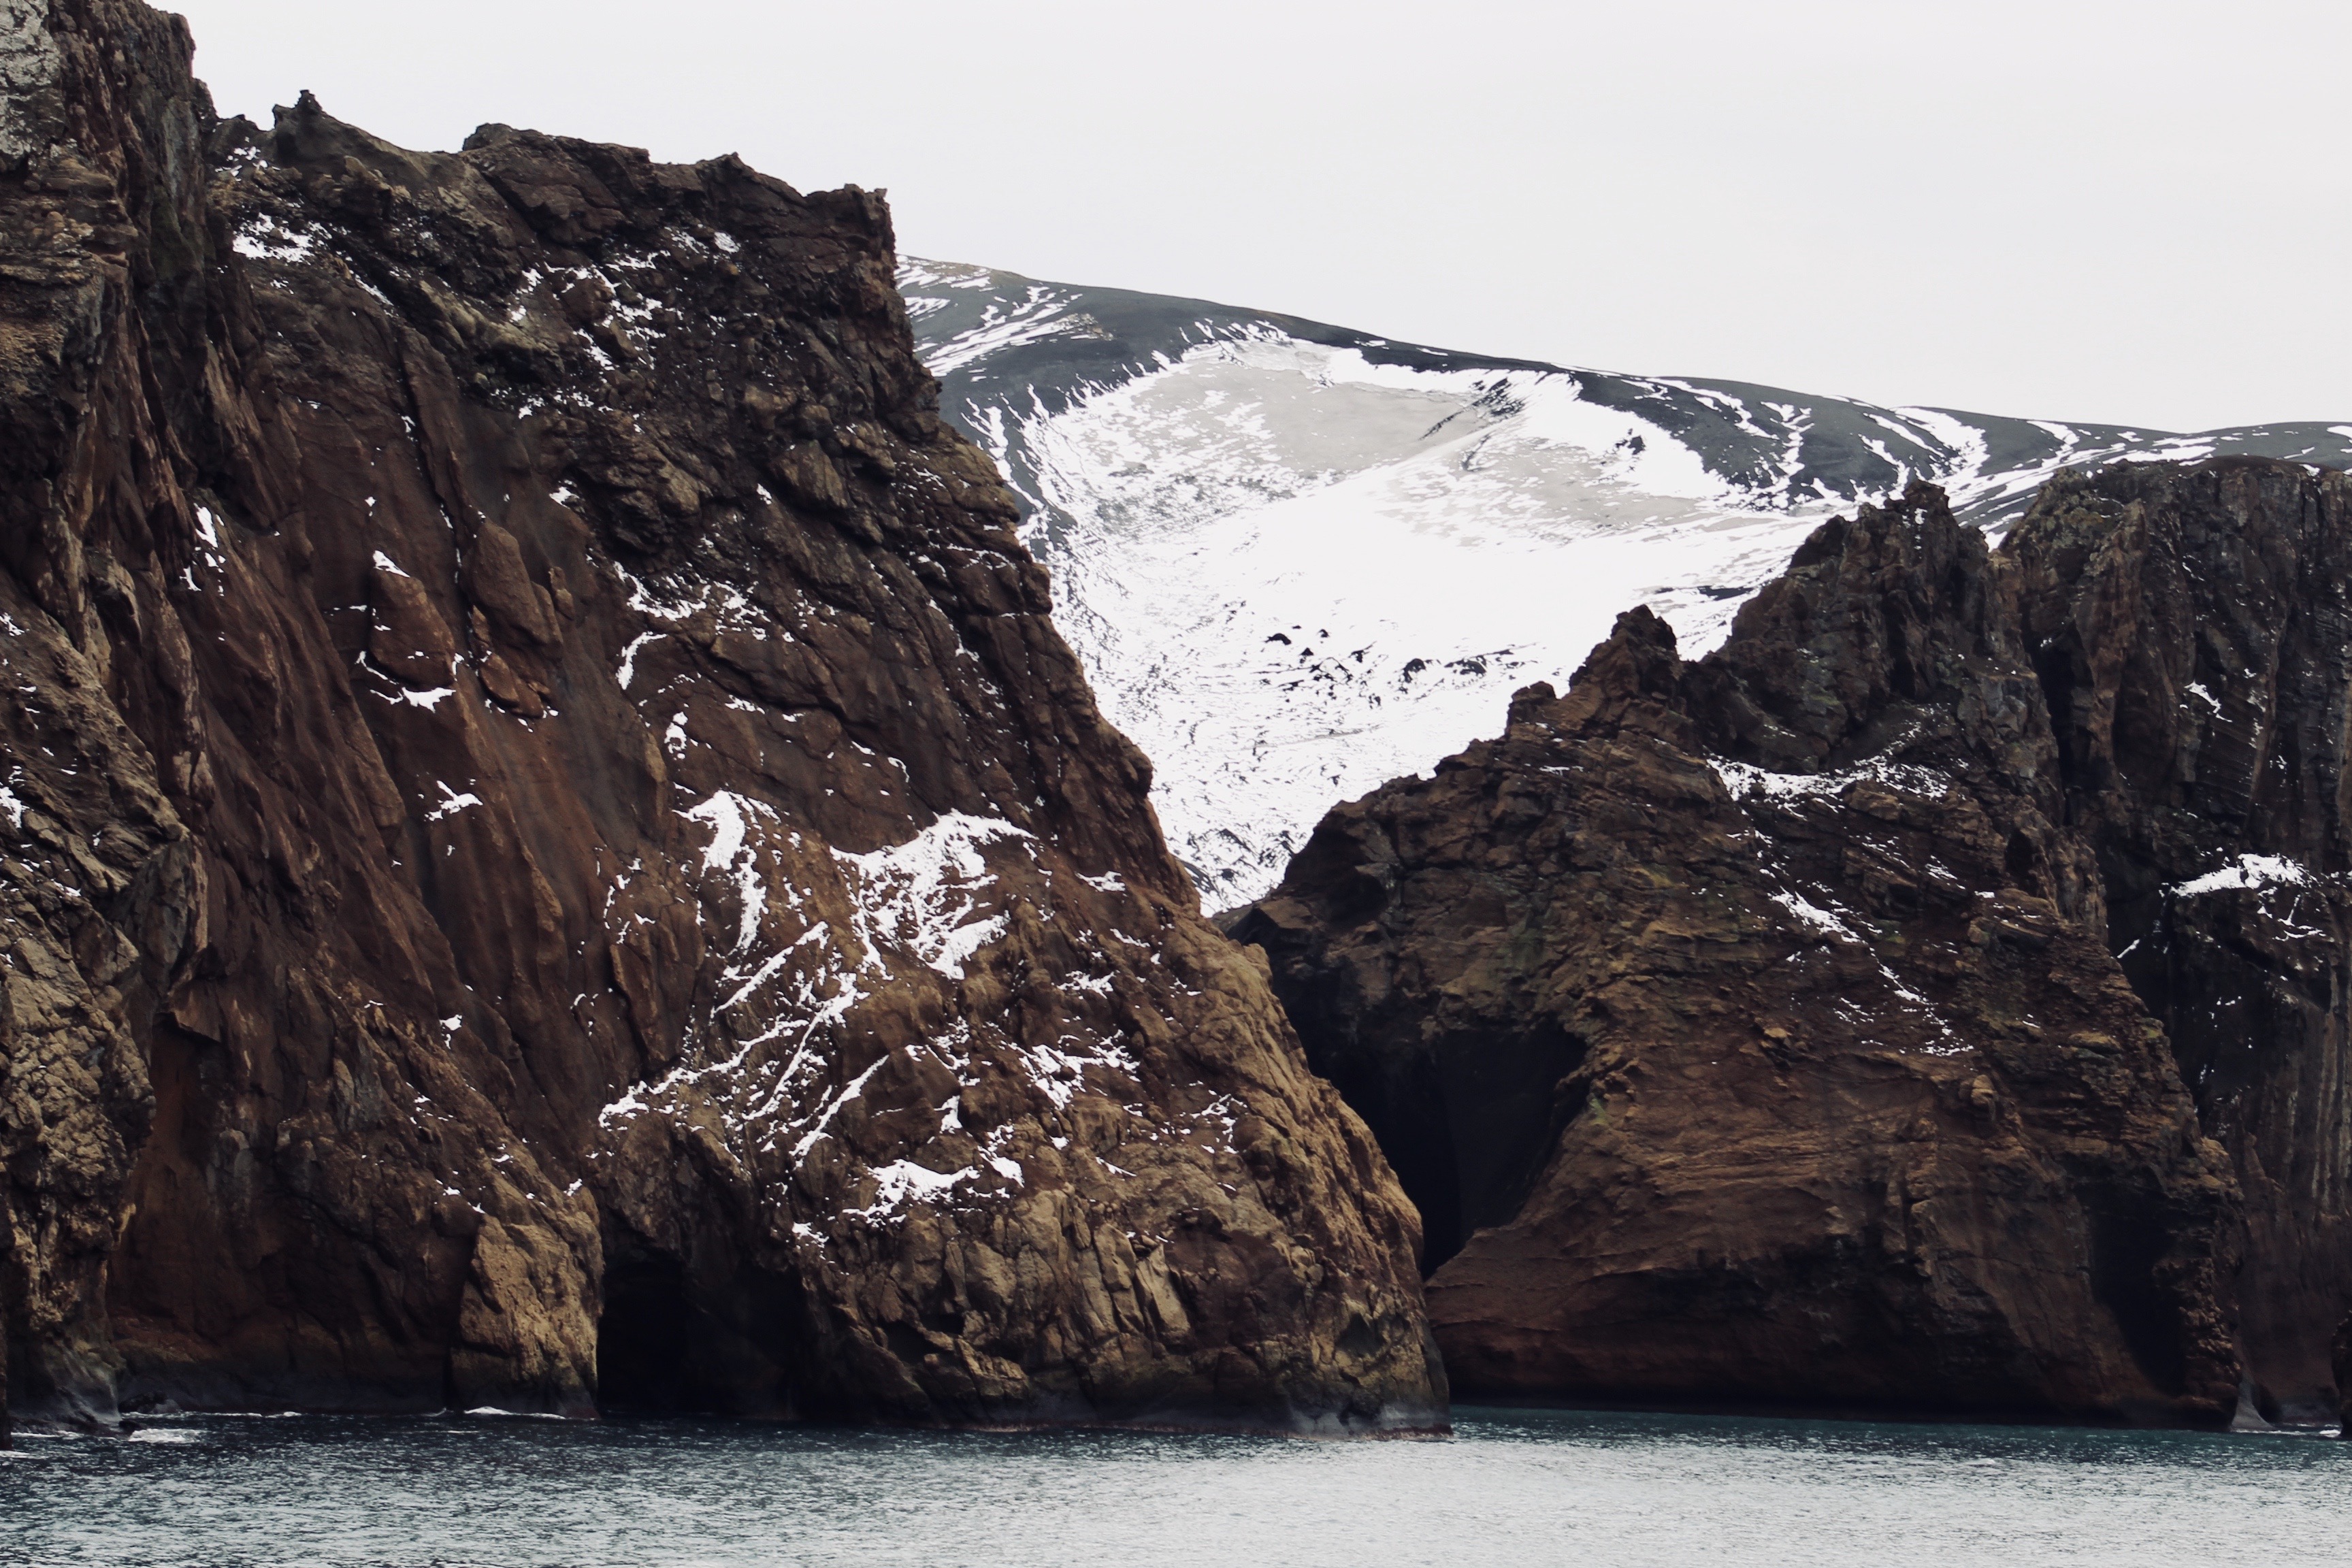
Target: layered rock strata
550	853
1931	999
2192	629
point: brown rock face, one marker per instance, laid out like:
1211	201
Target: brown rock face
551	853
1747	1030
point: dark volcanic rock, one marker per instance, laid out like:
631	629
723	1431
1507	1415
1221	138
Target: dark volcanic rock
2193	630
1747	1030
549	849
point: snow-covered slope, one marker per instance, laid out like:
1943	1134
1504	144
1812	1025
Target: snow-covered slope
1299	560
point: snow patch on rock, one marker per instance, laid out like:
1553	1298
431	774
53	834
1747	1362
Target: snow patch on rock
2247	873
924	897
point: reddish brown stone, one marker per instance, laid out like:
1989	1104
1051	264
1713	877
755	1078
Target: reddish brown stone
553	850
1747	1029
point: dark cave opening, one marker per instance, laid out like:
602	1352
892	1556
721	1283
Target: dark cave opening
1468	1121
671	1344
642	1338
2129	1243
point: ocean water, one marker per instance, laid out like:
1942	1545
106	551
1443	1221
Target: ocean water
1510	1488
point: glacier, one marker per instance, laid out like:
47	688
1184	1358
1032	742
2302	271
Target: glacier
1299	560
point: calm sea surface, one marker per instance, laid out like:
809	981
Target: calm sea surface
1513	1487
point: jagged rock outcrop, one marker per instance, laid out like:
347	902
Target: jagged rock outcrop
550	852
1748	1029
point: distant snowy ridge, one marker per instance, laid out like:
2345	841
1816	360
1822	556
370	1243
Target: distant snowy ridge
1299	560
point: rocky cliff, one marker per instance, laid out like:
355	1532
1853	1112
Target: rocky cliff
2192	628
1933	998
550	853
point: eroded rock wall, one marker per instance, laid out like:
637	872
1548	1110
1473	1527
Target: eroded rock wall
2193	630
552	851
1749	1032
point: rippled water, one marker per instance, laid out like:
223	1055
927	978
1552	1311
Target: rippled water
1513	1487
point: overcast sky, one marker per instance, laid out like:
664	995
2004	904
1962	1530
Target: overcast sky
2135	213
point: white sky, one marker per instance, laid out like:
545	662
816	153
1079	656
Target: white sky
2089	209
